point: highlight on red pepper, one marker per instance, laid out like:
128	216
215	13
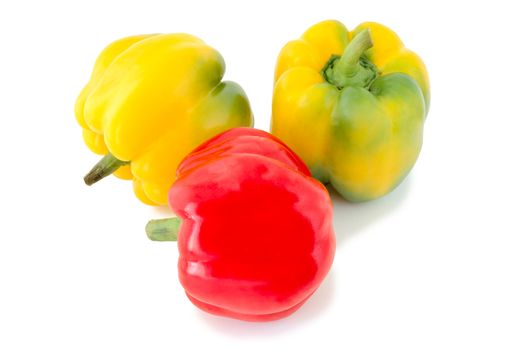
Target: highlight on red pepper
254	229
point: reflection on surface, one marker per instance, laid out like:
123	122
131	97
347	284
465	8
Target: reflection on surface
352	218
309	312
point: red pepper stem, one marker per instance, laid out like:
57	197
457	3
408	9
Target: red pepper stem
163	229
106	166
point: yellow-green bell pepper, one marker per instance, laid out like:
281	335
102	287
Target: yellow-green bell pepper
352	104
151	99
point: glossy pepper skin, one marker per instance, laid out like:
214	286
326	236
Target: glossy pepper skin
352	105
153	98
256	238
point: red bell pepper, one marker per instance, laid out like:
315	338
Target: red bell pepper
256	236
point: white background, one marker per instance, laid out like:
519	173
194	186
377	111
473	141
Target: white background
440	263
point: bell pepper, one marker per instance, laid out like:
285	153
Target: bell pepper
254	229
152	98
352	105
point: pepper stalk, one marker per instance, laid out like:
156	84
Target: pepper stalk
106	166
163	229
352	68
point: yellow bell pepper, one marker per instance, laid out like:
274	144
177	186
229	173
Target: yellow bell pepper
352	104
151	99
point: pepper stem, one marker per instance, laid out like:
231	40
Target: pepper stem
352	68
163	229
106	166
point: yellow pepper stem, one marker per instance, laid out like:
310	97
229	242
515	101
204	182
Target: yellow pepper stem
163	229
106	166
352	68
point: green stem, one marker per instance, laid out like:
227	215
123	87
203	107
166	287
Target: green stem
106	166
163	229
352	68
